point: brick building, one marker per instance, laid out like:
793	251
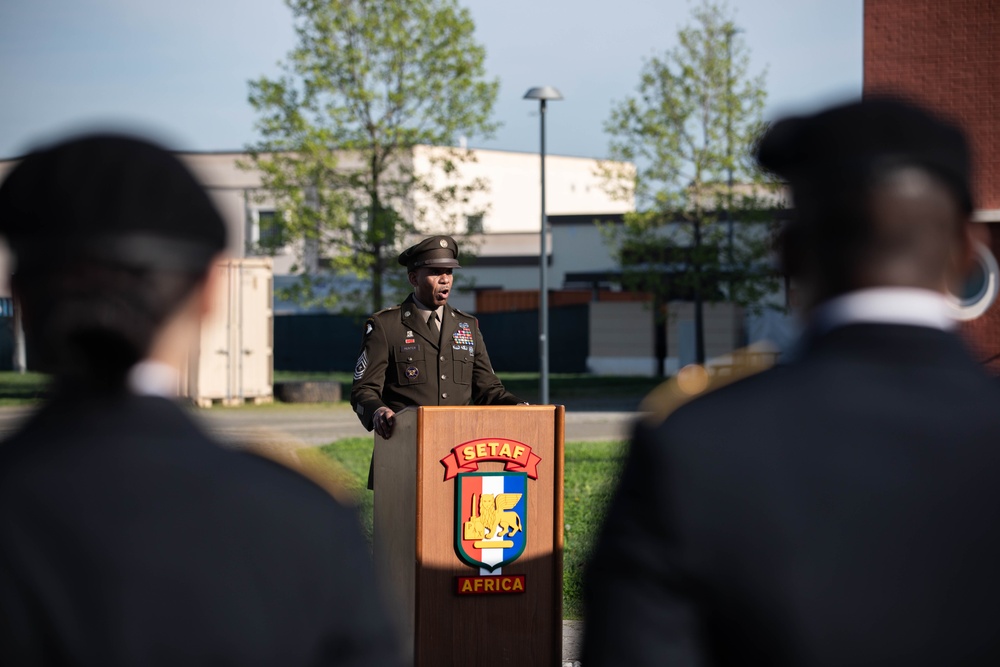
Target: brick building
944	55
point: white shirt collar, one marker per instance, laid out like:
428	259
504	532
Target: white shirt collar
886	305
154	378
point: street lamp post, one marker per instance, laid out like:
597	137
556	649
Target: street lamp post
543	94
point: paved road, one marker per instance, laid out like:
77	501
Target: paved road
318	426
313	425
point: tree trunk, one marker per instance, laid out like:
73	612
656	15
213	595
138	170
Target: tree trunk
377	281
377	237
659	333
699	319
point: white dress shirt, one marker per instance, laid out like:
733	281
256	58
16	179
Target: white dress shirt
886	305
154	378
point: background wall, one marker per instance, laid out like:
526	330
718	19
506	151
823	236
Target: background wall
944	55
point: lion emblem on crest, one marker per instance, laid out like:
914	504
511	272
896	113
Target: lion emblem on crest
495	518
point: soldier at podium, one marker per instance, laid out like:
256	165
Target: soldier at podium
423	351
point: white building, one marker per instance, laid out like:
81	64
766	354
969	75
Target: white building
503	221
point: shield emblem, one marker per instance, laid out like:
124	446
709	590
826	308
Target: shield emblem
490	513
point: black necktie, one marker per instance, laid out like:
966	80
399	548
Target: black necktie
432	324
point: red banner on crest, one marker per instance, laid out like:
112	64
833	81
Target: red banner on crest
516	457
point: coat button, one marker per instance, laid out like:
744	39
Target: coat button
444	377
444	395
409	358
442	358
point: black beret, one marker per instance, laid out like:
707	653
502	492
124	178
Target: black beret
108	198
853	137
434	252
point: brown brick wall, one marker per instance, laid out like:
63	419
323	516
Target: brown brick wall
945	54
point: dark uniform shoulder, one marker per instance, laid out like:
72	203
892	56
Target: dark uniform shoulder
462	313
386	310
380	316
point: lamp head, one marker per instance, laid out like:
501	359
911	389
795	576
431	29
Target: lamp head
543	93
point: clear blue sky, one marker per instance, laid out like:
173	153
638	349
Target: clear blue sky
178	70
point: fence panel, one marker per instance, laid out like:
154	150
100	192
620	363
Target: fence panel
325	342
512	339
316	342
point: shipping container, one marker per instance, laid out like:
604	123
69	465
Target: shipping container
233	362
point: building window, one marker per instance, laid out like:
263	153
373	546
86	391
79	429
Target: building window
266	234
474	223
272	234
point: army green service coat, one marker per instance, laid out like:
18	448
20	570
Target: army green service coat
399	365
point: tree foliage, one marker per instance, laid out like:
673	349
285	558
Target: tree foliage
367	82
700	230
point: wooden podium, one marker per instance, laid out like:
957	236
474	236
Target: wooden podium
468	533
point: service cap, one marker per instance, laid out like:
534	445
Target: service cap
108	198
850	138
434	252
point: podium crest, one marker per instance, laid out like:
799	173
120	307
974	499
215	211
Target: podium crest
490	512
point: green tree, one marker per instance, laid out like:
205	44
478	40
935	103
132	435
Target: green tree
368	81
700	231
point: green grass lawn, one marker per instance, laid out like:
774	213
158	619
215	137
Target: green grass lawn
590	474
354	456
22	388
562	386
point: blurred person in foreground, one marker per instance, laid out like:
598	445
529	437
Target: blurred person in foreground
841	509
128	536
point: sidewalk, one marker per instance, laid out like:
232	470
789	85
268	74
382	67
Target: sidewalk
572	643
